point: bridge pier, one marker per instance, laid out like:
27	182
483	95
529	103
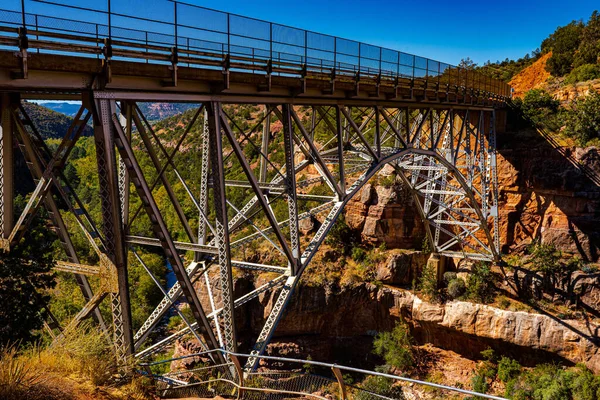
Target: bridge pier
116	251
7	101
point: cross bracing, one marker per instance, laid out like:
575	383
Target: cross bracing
319	130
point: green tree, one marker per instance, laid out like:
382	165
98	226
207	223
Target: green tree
508	369
589	48
396	346
540	107
467	63
582	73
583	121
563	43
480	283
25	273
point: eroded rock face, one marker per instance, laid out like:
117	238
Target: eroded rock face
386	215
401	268
550	195
324	326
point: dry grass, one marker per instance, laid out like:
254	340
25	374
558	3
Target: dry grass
79	366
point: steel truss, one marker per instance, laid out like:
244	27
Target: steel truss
445	156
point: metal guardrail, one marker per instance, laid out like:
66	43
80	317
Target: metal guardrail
294	378
193	35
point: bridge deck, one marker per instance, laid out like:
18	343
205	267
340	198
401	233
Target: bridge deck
49	54
52	76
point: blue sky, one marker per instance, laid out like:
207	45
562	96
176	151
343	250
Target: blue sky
444	30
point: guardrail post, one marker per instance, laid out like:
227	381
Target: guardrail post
150	375
340	379
240	374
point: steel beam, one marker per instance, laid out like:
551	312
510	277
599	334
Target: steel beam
221	223
104	136
160	230
292	198
7	103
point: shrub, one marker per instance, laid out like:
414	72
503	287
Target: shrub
508	369
341	236
16	374
485	372
583	73
428	284
387	181
540	107
425	245
480	384
449	276
582	122
456	288
545	381
396	346
585	385
379	385
358	254
480	284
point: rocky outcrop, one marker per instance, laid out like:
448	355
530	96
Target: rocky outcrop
567	93
549	194
386	214
530	338
401	268
340	325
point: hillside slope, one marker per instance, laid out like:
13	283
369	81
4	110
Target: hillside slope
50	124
532	77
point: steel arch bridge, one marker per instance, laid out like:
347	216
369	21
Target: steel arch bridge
329	123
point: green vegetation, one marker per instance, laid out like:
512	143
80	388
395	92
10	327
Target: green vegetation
428	284
582	123
539	107
25	275
396	347
580	120
507	69
544	382
585	72
481	283
575	51
341	236
379	385
50	124
38	373
456	288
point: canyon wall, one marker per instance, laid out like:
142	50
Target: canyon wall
545	193
548	194
340	325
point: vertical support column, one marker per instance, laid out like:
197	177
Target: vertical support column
125	120
290	169
483	165
6	168
204	169
112	224
262	177
221	224
377	133
340	149
467	146
494	180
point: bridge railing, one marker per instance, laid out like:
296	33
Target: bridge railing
282	378
192	35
